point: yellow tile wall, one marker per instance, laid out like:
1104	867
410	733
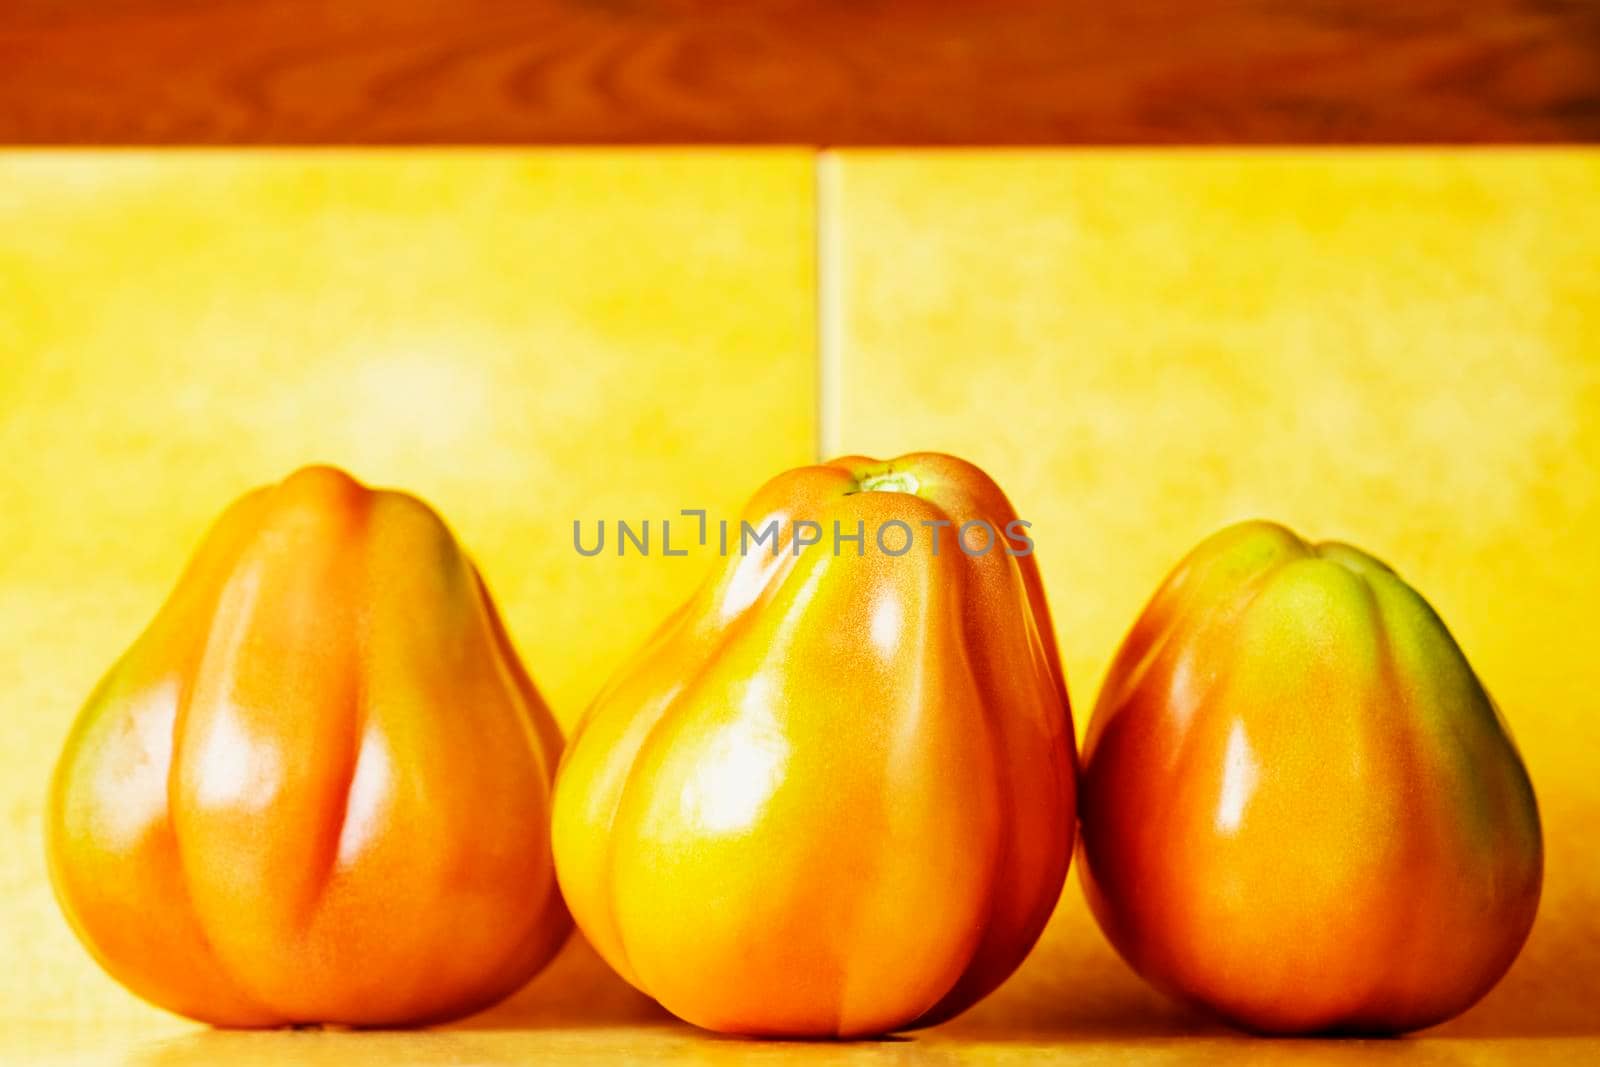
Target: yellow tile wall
1397	349
1400	349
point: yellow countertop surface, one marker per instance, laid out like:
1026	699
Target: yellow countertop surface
679	1044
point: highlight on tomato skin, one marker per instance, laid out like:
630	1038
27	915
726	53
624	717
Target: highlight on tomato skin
316	788
1300	807
833	796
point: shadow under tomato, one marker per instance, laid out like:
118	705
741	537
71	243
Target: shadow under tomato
1116	1005
577	991
746	1041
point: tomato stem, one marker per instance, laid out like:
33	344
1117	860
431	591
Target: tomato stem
890	481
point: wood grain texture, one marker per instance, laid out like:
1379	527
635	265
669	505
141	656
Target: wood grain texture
847	72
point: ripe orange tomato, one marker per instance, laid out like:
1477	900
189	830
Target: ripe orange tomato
834	794
1300	807
317	788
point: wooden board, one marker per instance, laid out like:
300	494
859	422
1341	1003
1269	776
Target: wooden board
848	72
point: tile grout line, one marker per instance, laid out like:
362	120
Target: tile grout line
829	335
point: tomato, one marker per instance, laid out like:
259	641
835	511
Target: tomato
316	789
1300	807
834	793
